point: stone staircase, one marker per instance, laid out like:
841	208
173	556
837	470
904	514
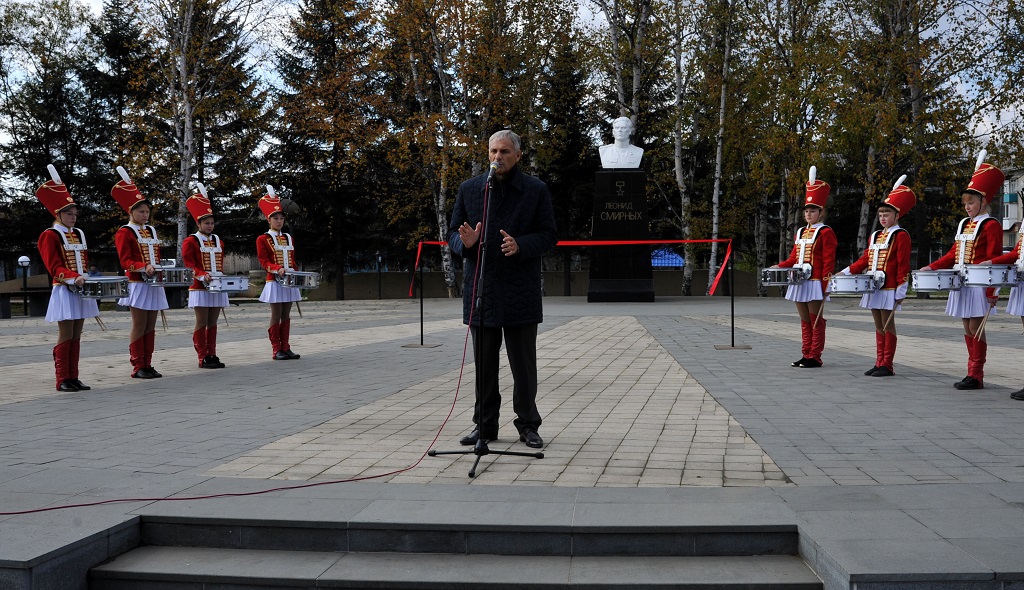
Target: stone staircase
204	552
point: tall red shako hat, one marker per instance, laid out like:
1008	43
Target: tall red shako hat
199	205
817	190
270	203
53	194
902	199
987	180
126	193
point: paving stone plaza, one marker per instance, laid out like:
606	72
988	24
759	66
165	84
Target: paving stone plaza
899	472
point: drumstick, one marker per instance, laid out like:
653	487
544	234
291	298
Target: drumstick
298	307
888	319
817	317
163	317
100	322
224	313
984	320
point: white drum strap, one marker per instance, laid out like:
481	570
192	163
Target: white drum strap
804	243
76	248
963	238
877	247
1020	248
149	243
284	250
211	251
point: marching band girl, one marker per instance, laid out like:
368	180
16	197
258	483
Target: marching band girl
276	252
138	248
64	253
203	252
1015	305
979	237
814	246
888	252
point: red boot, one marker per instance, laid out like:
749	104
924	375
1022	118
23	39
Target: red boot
879	353
199	342
274	332
150	341
978	361
136	353
60	366
286	347
817	344
211	341
976	352
805	344
213	361
885	367
73	353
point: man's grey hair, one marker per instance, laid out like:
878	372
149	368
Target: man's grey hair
509	135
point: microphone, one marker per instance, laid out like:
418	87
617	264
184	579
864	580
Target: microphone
490	174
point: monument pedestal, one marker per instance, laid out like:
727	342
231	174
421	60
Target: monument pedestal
620	273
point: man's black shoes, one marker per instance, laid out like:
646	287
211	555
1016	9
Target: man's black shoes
532	439
471	438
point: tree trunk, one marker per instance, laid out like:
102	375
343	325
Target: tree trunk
720	140
869	197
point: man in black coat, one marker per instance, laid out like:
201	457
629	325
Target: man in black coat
506	299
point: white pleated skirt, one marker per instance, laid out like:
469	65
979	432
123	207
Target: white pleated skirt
805	291
144	296
65	305
968	302
273	292
1015	306
880	299
204	298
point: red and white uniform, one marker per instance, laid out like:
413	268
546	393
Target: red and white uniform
137	246
977	239
888	251
64	253
276	250
204	254
1015	306
814	245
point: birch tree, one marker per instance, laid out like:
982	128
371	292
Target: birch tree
204	47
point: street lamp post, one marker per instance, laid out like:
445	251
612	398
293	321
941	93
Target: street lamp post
380	285
23	262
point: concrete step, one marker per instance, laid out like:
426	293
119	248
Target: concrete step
494	538
193	568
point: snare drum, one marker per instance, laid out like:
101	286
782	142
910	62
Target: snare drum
103	288
928	281
989	275
781	277
225	284
854	284
300	280
169	276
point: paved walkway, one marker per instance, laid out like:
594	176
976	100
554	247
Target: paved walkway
633	395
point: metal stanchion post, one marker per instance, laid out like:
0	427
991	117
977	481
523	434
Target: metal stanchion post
732	306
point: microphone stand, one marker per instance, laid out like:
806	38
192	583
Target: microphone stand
481	449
